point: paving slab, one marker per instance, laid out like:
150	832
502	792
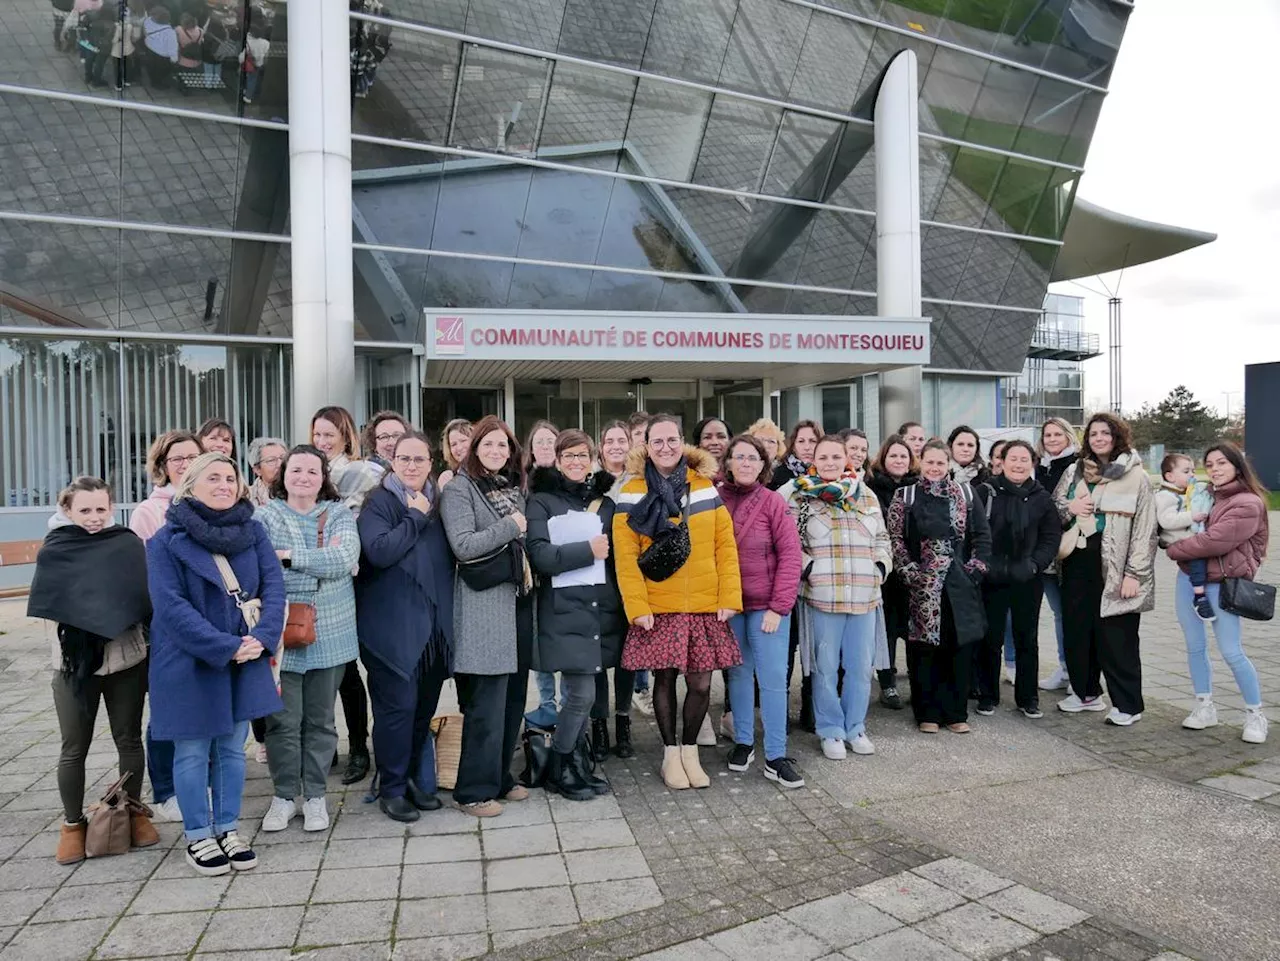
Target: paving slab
841	920
908	897
253	929
608	899
904	944
1037	911
962	877
977	931
769	939
444	848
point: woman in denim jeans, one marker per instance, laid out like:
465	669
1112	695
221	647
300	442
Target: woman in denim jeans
769	561
1057	450
209	671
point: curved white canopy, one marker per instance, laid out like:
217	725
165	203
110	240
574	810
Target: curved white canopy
1098	241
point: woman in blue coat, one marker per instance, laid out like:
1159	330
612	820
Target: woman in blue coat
404	613
210	672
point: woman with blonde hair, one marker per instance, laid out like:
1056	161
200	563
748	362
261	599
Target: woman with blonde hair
770	434
1056	450
455	440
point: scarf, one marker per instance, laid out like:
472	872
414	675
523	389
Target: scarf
94	586
227	532
661	501
1047	459
1016	515
936	520
1114	487
966	474
503	494
794	464
394	484
841	493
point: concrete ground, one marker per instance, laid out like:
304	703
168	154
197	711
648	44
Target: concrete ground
1060	838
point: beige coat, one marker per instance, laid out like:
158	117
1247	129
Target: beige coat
1128	542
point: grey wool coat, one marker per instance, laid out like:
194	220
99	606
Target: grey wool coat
484	622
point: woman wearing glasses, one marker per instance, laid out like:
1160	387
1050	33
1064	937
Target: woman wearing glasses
266	454
381	435
540	451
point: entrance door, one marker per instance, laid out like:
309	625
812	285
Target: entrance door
441	405
605	401
679	398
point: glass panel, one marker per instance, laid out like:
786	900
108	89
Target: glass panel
678	398
59	276
665	129
586	106
530	23
605	401
736	144
450	14
764	47
413	98
1016	198
553	400
742	407
997	116
837	413
1005	341
441	405
950	91
689	37
499	100
611	31
800	139
832	61
987	270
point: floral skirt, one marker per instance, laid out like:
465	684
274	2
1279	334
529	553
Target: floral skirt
689	643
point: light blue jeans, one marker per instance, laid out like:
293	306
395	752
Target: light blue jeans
1052	594
1226	629
210	765
764	659
546	713
850	638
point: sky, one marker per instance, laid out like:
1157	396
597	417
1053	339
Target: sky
1190	135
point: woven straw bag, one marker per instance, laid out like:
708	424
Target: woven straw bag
448	731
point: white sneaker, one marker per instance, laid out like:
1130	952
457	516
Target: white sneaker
1120	719
1255	727
726	726
1010	673
642	701
1072	704
281	812
707	733
315	814
167	811
1205	715
1055	681
833	748
862	745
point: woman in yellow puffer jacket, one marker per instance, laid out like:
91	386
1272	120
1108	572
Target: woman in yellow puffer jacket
679	625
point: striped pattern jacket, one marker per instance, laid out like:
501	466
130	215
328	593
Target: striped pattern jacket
841	551
709	580
318	576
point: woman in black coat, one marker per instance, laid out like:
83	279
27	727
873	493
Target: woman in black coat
580	627
1025	532
404	614
895	467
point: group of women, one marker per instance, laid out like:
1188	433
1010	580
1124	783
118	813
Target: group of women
645	555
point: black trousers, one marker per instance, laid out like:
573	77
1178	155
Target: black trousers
1097	645
940	676
491	724
1021	604
402	712
624	689
355	708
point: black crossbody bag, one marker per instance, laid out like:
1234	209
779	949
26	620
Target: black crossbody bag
1246	598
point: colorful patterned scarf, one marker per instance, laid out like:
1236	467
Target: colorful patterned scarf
842	493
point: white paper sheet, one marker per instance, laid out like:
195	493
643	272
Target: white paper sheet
574	528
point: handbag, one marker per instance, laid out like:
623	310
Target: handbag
447	729
500	567
668	551
1246	598
537	756
110	828
300	620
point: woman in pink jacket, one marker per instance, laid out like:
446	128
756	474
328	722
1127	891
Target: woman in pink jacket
769	561
1234	542
168	459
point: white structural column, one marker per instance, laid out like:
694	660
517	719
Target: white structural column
898	226
320	208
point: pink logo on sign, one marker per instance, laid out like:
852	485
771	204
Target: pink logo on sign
450	337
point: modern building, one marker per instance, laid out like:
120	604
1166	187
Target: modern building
1052	380
563	208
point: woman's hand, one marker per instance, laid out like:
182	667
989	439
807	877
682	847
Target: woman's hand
284	555
418	502
599	547
1200	517
250	649
520	521
644	622
1129	587
769	623
1083	504
724	614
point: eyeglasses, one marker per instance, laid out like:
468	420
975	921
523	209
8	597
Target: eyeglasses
666	442
383	438
404	460
181	459
270	461
746	458
580	458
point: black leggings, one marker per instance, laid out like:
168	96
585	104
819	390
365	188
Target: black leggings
696	700
355	708
624	689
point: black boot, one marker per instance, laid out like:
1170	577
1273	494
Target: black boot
420	798
806	705
586	766
399	809
599	738
357	768
622	736
565	779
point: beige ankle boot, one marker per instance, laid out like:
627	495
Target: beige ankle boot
693	767
673	770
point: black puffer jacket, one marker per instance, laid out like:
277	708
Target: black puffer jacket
1025	531
580	629
892	591
1049	474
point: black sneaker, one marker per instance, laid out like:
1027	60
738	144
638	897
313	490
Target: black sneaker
1204	610
237	852
986	708
783	770
207	858
741	756
890	698
1032	710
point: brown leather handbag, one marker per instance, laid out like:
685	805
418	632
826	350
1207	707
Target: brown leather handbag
110	822
300	621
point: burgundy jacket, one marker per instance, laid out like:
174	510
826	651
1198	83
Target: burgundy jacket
1234	539
768	547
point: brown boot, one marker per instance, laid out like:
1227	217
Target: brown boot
673	775
693	771
71	844
144	832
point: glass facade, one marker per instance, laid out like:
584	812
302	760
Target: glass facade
667	155
1052	382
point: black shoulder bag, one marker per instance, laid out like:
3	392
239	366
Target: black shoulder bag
1246	598
669	550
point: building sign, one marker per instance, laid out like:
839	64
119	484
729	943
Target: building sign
744	338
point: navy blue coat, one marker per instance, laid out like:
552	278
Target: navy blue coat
404	591
197	690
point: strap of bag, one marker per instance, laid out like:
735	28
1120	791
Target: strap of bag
594	506
229	579
324	518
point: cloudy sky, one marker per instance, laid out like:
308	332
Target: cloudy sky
1189	136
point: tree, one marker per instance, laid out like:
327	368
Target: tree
1234	431
1179	422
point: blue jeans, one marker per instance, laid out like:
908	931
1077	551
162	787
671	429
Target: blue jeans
160	768
642	682
850	638
1053	594
546	713
1010	653
764	658
201	764
1198	571
1226	629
